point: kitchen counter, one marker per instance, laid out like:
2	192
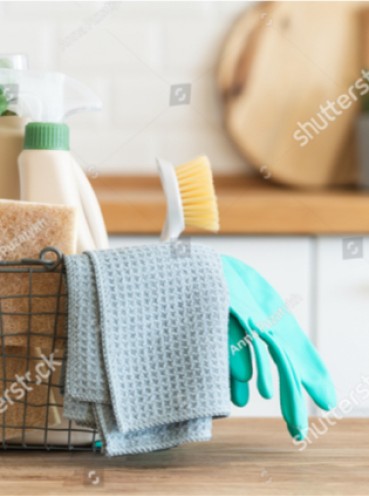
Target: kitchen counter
246	456
247	205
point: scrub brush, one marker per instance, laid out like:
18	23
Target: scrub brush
190	194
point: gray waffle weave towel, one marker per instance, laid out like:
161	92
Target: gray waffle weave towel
147	345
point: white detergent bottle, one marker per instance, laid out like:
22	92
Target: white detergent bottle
48	172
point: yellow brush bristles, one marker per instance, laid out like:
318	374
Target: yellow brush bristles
195	181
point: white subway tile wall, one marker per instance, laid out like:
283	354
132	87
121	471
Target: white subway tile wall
132	54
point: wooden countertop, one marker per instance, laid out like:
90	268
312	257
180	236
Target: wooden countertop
248	205
246	457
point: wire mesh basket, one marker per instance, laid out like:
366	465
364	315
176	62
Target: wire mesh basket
33	311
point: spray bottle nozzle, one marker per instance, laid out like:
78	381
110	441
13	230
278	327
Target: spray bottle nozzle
44	96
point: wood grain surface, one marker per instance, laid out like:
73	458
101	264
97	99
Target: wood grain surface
246	457
247	205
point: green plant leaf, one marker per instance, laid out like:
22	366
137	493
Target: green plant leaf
3	104
365	103
364	100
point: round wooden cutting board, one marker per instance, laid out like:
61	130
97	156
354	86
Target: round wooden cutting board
280	63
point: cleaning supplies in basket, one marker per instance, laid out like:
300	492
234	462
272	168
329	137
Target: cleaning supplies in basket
48	172
147	358
50	177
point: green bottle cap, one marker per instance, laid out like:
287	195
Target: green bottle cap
46	136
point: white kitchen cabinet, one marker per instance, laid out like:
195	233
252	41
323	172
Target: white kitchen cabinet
343	317
285	262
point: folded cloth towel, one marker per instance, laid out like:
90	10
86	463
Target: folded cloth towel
147	355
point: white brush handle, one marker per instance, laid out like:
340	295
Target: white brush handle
175	222
91	208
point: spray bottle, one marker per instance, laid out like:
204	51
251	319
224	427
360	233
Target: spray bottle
12	128
47	170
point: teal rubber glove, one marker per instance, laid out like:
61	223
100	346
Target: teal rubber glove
253	302
241	364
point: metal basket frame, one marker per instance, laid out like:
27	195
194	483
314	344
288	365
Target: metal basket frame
51	260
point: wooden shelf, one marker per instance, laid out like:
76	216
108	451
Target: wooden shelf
136	205
246	457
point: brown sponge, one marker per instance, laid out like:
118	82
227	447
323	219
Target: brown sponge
25	229
33	310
